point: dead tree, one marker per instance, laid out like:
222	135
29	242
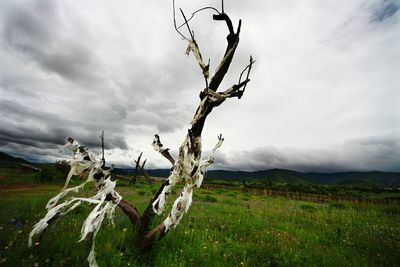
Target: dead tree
187	168
139	169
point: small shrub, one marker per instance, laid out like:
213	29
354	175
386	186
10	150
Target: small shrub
53	173
62	167
48	174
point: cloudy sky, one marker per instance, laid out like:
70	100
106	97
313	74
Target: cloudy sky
324	94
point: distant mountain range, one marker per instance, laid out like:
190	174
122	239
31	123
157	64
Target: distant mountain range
8	160
364	179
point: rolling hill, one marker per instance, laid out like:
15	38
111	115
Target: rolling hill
7	160
366	179
281	176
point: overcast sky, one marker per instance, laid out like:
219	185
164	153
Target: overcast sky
324	93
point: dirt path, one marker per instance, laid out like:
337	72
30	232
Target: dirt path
8	187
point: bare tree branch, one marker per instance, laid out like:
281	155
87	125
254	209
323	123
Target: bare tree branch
129	210
145	174
187	25
196	51
150	237
102	147
149	213
144	163
137	167
158	146
176	28
195	12
233	41
248	68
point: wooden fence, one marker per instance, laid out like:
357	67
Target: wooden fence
319	198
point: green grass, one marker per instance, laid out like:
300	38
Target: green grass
222	228
10	176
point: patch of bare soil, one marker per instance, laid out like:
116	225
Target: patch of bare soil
6	187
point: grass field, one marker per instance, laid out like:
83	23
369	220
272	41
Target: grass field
222	228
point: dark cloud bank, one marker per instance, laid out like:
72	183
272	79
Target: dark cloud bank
366	154
59	80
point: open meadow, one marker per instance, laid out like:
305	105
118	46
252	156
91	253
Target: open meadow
222	228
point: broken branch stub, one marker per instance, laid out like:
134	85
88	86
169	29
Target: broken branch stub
158	146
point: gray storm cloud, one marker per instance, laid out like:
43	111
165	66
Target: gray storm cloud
324	92
366	154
